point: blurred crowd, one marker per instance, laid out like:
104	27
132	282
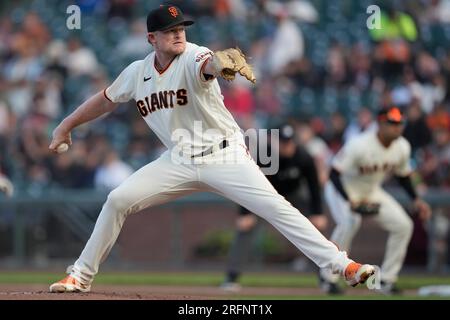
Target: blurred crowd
303	61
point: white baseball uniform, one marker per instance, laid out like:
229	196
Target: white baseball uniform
173	103
364	163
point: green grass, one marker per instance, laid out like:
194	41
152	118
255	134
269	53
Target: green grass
288	280
280	280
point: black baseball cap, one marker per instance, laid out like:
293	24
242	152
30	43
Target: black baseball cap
165	17
391	115
287	132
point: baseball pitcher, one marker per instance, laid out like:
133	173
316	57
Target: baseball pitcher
176	89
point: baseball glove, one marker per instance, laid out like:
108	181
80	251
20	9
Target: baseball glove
366	208
228	62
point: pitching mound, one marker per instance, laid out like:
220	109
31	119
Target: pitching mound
115	292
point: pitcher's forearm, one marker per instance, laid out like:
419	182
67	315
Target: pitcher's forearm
89	110
209	69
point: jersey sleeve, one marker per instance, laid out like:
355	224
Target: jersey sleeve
124	87
404	167
346	159
197	63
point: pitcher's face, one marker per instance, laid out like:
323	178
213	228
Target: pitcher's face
170	42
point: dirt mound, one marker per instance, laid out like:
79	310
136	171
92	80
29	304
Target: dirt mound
127	292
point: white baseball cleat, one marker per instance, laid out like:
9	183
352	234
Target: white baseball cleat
357	273
69	284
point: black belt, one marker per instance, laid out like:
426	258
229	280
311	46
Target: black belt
210	150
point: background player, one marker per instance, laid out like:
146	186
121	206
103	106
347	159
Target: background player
177	94
354	190
295	166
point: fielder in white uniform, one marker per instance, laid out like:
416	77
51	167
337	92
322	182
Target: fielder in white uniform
177	94
357	173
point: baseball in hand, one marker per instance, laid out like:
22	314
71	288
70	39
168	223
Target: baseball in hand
63	147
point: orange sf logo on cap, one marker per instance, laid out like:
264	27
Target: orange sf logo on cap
173	11
394	115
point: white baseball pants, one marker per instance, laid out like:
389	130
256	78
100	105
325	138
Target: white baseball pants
392	218
241	181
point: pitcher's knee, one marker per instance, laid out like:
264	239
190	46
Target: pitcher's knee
118	201
406	228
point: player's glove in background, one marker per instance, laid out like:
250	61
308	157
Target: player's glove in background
366	208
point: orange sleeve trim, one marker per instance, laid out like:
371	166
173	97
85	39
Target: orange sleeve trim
104	93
